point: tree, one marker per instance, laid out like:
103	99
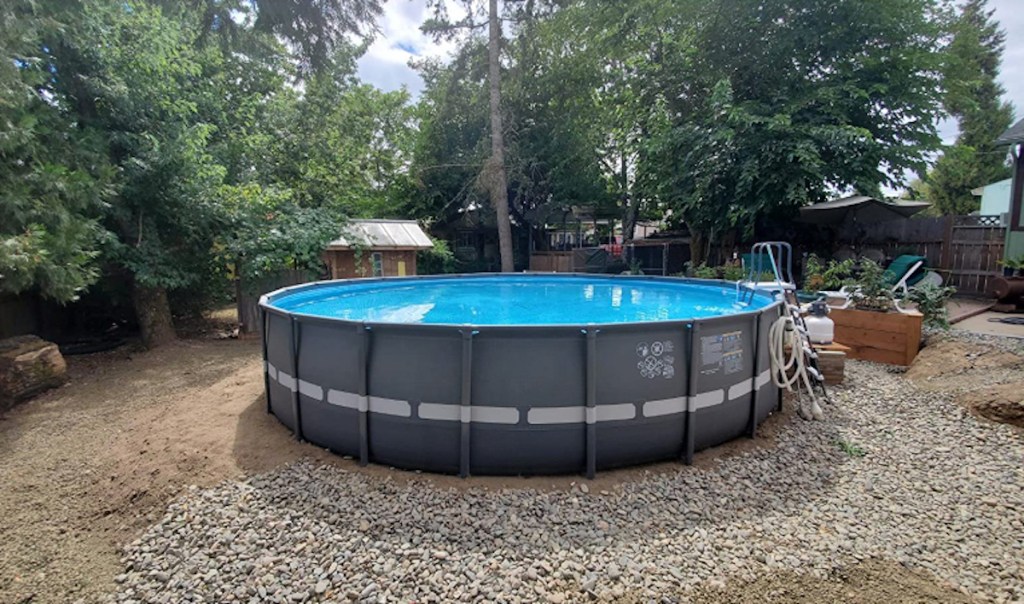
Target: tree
53	177
342	144
493	176
769	106
974	98
494	171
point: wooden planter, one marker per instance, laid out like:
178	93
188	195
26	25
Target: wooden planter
882	337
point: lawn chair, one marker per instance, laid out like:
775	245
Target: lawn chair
902	273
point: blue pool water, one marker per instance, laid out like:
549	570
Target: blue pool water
516	300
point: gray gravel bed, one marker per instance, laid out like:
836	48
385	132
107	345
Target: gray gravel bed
891	472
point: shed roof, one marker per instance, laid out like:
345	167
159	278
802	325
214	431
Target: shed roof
1013	135
382	235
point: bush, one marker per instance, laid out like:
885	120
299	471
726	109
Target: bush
703	271
820	276
931	302
436	261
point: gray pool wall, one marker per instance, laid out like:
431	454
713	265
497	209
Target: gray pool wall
518	400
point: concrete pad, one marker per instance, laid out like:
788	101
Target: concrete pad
981	324
959	308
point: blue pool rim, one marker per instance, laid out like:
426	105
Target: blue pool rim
308	358
266	301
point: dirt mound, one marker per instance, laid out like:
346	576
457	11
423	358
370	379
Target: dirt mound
1003	403
953	365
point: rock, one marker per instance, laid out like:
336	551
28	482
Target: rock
28	365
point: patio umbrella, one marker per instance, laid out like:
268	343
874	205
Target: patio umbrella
859	209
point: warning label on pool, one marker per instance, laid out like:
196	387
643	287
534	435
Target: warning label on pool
656	360
721	352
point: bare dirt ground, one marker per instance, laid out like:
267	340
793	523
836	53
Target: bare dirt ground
87	467
986	379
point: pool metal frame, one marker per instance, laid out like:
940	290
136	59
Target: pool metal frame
518	399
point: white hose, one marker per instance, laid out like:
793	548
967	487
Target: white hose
792	370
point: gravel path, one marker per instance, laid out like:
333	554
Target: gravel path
892	472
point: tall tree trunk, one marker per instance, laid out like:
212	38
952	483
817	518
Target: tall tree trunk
631	203
698	248
154	314
496	180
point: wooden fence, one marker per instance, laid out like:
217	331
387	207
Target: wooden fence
248	297
965	250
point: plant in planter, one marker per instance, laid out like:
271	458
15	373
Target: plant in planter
872	329
872	291
1013	267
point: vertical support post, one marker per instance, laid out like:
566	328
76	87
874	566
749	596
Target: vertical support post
296	408
752	425
364	406
664	260
783	308
591	401
265	322
466	400
693	346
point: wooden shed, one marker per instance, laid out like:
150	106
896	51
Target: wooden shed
376	248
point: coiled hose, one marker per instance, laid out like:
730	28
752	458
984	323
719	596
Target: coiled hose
790	368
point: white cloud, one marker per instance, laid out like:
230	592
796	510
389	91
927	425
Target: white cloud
386	63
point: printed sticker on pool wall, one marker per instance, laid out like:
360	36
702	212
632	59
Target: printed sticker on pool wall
721	351
655	360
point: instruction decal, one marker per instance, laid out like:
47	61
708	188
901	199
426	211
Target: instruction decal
721	352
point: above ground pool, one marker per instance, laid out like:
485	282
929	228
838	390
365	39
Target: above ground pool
518	374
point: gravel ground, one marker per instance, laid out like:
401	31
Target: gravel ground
893	473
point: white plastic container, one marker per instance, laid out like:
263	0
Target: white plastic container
820	329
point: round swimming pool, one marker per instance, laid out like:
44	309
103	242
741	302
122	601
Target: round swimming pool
518	374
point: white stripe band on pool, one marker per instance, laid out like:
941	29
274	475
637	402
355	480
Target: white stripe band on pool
539	416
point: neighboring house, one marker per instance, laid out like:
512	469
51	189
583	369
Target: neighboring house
995	198
376	248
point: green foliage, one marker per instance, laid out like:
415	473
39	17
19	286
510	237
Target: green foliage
931	302
732	272
834	113
974	98
1016	264
873	291
53	177
269	233
851	449
828	276
436	261
703	271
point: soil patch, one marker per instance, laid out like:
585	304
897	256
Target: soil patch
1003	403
86	466
948	364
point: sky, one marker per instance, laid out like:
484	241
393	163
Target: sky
386	63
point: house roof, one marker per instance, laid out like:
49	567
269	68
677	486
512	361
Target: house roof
382	235
1013	135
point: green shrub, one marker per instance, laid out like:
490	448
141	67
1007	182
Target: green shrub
703	271
931	302
436	261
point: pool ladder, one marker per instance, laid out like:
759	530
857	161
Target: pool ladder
774	258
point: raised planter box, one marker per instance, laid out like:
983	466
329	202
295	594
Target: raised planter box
882	337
